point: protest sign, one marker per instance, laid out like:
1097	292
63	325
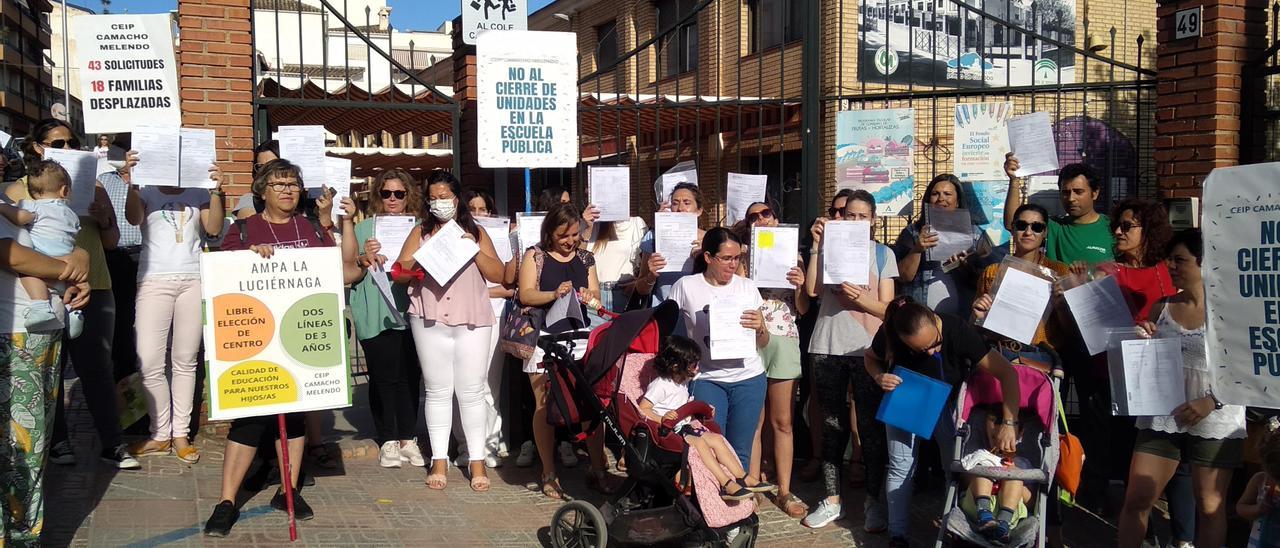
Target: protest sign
492	16
527	97
1242	283
127	72
874	152
982	139
273	332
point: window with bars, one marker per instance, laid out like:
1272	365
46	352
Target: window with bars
606	44
774	22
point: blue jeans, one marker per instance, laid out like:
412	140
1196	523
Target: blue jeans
903	447
738	407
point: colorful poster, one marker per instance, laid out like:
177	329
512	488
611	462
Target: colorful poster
127	71
273	332
945	45
1241	259
875	152
982	140
527	99
986	207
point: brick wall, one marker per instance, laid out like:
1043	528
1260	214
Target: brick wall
216	72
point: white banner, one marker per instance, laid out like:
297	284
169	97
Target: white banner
273	332
127	72
1242	283
527	96
492	15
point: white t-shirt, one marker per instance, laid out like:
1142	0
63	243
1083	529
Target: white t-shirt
693	294
171	232
618	259
667	395
13	298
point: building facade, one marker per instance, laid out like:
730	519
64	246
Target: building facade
28	93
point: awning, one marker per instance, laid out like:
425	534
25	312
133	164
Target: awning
343	107
368	162
606	115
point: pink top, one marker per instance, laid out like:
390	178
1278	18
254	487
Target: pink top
465	301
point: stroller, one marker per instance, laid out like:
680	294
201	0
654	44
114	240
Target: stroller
1038	444
651	506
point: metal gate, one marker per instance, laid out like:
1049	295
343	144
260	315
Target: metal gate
1260	113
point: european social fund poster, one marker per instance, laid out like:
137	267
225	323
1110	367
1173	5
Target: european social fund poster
273	332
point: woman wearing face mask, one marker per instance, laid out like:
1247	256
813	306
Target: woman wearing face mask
394	375
686	198
781	356
450	322
480	204
1203	431
848	317
926	280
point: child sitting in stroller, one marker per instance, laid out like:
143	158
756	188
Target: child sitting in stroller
996	508
677	364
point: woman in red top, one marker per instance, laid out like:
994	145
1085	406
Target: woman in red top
1142	232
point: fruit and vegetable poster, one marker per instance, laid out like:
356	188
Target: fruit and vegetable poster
273	332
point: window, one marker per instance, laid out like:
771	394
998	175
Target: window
358	52
677	51
774	22
606	44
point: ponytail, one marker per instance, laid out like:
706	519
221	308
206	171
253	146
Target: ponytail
902	317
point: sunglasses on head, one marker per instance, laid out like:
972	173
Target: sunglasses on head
1019	226
1126	226
399	194
63	143
765	213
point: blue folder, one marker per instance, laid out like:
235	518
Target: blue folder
916	404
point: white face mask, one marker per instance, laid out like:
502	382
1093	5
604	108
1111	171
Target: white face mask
444	209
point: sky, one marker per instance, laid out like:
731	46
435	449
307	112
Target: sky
405	14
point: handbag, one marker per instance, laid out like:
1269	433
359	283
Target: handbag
1070	459
520	331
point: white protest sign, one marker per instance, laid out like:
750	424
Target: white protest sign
273	330
741	191
80	166
1242	283
527	97
127	72
494	16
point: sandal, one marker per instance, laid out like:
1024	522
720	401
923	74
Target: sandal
320	456
149	448
791	505
739	492
437	480
605	483
189	454
552	490
480	484
760	486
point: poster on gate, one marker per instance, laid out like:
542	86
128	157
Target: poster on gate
875	152
127	72
492	15
982	139
527	99
1241	269
273	332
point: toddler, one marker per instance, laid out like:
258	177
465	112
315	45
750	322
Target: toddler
996	507
53	227
676	364
1261	500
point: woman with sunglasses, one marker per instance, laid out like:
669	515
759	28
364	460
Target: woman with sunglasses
781	356
931	280
90	353
394	377
947	348
848	317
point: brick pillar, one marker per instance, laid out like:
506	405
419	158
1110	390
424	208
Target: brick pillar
216	64
1200	90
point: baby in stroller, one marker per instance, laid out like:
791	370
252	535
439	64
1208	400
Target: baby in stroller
996	507
676	364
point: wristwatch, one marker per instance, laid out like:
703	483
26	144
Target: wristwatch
1007	422
1217	405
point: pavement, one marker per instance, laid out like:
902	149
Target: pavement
359	503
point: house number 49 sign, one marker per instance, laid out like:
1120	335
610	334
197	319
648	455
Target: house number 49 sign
1187	23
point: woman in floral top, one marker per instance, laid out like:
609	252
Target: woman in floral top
781	359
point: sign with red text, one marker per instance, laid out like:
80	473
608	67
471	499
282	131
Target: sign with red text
127	72
273	332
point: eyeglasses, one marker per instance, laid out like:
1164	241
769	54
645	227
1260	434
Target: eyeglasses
1019	226
732	259
834	212
282	188
63	143
765	213
399	194
1126	226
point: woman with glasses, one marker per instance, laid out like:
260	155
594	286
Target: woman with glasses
394	377
281	225
90	353
947	348
931	280
848	317
734	387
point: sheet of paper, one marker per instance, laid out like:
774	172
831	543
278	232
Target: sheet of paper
1018	306
729	340
846	253
1031	138
1098	307
499	231
157	148
304	146
673	237
4	139
337	174
566	307
741	191
611	191
446	253
529	230
391	231
955	231
80	165
683	172
198	154
1154	381
774	251
383	284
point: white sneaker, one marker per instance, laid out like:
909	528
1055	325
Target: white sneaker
491	461
527	452
826	513
568	456
501	450
411	454
875	518
389	456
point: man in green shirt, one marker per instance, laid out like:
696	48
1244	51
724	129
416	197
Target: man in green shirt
1083	234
